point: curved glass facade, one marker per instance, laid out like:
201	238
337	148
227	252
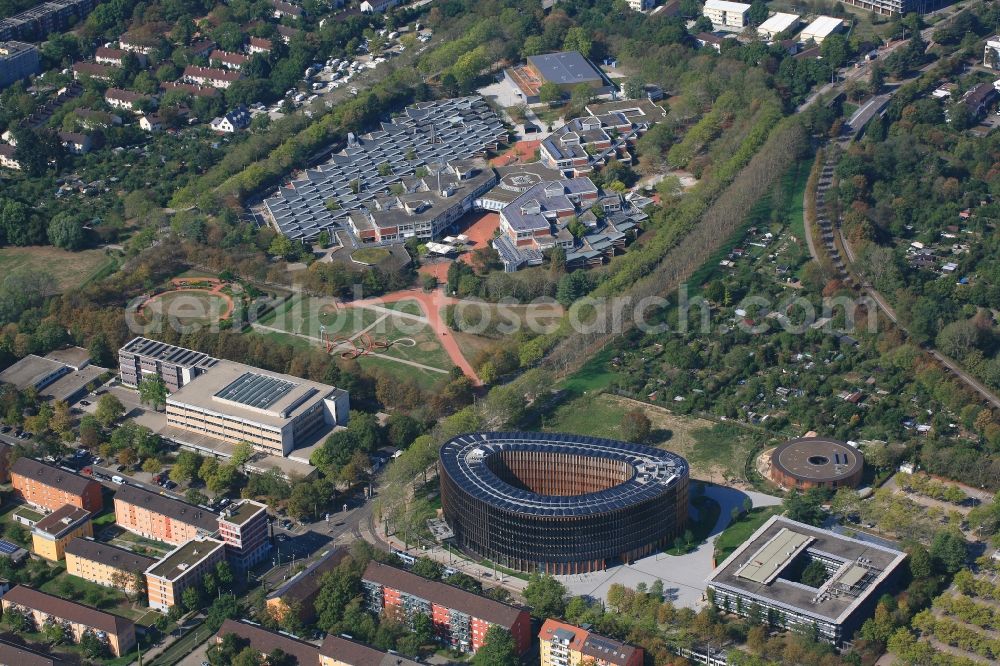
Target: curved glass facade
561	503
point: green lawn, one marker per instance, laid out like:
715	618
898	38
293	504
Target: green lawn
723	448
29	514
595	373
586	415
142	545
734	535
371	255
409	307
69	269
68	586
423	378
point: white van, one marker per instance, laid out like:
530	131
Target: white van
117	479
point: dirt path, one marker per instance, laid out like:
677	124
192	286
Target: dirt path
431	304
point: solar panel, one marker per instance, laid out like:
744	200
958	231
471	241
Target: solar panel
8	548
255	390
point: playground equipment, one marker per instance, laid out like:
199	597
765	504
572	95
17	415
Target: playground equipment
362	345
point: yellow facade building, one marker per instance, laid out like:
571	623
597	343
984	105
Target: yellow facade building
107	565
51	534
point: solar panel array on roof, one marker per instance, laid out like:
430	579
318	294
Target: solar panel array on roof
425	135
655	469
161	351
8	548
253	390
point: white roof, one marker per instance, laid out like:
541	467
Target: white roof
778	23
726	6
822	27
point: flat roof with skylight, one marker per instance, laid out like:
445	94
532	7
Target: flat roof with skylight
243	392
766	570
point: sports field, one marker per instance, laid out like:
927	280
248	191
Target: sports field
413	350
188	307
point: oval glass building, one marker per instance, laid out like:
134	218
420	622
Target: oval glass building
559	503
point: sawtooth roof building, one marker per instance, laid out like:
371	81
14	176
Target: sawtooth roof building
763	575
435	135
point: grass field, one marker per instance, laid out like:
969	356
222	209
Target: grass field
371	255
722	450
740	531
595	373
69	269
600	415
108	599
304	316
188	306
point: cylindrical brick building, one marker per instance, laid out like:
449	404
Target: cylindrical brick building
816	462
559	503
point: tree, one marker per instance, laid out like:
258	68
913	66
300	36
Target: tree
337	589
185	467
54	632
948	551
578	39
635	426
109	409
757	13
545	595
428	568
805	507
282	247
191	598
242	453
151	465
92	646
550	93
498	649
814	574
153	391
635	88
66	231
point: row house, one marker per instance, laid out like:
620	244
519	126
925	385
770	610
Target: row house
259	45
282	9
210	76
7	159
116	57
189	89
93	70
124	99
75	143
227	59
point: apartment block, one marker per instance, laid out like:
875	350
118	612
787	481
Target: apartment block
17	61
301	590
176	366
210	76
45	18
160	517
52	533
105	564
243	528
461	619
265	641
726	14
78	620
51	487
180	569
562	644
